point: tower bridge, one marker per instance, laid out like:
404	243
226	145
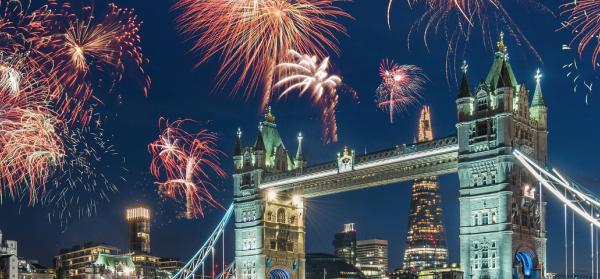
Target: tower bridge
502	219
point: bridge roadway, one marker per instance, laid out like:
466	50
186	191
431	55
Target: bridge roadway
402	163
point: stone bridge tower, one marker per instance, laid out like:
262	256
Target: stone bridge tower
269	226
502	226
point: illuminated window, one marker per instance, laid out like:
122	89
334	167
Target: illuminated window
281	215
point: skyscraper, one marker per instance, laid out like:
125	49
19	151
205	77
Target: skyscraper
372	257
344	244
425	240
138	220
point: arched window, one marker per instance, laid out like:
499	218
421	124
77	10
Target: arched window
484	218
270	216
281	215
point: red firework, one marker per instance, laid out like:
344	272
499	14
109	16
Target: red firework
583	21
30	147
183	163
91	54
400	87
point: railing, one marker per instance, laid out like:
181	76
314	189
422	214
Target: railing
400	150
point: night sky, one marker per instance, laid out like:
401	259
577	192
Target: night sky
181	91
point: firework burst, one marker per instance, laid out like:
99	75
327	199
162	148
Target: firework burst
75	190
582	19
93	55
235	29
458	20
307	75
30	147
401	86
183	163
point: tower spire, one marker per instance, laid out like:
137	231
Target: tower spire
238	142
538	97
464	90
299	160
501	46
425	130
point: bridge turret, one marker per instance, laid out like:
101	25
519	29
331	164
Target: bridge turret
499	215
464	100
238	156
299	161
538	111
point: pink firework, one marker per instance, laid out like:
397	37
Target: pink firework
183	163
307	75
91	54
583	18
400	87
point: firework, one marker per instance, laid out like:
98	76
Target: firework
583	21
458	20
183	163
307	74
29	145
400	86
235	29
581	75
75	190
94	55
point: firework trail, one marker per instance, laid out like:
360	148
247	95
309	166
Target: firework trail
30	147
583	21
234	29
458	20
92	55
582	76
84	181
401	86
307	75
183	163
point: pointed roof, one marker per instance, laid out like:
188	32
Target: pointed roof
500	61
238	143
425	132
464	89
260	142
270	138
299	153
538	97
505	79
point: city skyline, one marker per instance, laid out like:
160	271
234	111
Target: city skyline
181	92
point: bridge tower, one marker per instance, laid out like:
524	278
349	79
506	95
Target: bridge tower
502	227
269	226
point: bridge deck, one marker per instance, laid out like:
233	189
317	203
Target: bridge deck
402	163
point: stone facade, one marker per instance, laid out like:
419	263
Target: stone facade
502	229
269	226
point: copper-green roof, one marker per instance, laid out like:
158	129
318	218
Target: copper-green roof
113	261
496	70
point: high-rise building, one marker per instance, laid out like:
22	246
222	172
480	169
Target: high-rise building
372	257
72	263
138	220
425	240
344	244
8	259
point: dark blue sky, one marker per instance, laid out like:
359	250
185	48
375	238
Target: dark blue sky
179	91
